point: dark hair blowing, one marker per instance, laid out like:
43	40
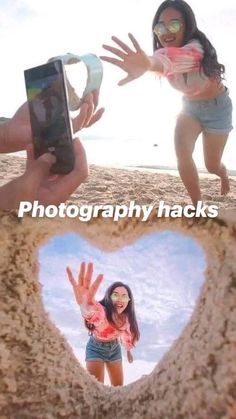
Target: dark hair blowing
110	309
210	65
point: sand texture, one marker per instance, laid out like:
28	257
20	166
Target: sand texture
40	378
112	185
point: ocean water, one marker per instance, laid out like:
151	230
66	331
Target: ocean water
164	270
147	152
111	151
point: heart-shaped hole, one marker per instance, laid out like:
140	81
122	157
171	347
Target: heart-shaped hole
41	378
164	271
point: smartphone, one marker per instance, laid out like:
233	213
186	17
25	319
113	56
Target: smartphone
49	114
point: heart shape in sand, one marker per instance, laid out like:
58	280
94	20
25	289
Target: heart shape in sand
40	376
164	270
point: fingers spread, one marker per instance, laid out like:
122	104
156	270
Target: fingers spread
86	116
88	275
115	51
70	277
125	80
124	46
81	274
114	61
134	42
95	286
90	108
79	121
96	117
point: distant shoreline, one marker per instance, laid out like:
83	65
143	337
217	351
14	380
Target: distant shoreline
163	169
169	168
144	167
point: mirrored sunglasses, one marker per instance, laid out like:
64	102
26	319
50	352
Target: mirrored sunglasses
124	298
173	26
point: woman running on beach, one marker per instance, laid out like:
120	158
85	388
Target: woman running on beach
108	320
184	55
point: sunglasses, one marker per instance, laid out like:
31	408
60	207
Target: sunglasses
124	298
173	26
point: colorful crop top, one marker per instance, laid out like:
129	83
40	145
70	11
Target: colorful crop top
96	315
182	67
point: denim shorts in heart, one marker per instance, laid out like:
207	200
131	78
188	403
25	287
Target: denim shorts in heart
103	351
214	115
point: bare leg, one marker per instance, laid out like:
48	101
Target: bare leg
187	131
115	372
213	147
96	368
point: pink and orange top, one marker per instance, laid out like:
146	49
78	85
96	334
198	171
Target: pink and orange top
104	331
182	67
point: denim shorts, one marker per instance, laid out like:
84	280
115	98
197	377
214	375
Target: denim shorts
103	351
214	115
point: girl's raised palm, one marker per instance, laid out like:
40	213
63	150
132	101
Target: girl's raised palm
83	290
135	63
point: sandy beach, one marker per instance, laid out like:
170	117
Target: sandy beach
144	185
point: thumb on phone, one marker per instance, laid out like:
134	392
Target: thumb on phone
38	170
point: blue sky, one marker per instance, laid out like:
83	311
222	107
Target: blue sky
165	272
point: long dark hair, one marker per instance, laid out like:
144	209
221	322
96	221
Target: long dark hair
110	309
209	64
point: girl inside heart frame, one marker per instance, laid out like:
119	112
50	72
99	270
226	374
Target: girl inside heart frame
109	321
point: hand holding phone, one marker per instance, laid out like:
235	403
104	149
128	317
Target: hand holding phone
36	183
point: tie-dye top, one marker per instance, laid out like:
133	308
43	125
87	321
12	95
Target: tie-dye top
96	315
182	67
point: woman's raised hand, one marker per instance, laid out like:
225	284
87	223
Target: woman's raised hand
83	289
135	63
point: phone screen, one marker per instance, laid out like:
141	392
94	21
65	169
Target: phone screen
49	114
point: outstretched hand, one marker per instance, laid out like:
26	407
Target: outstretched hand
83	289
135	63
